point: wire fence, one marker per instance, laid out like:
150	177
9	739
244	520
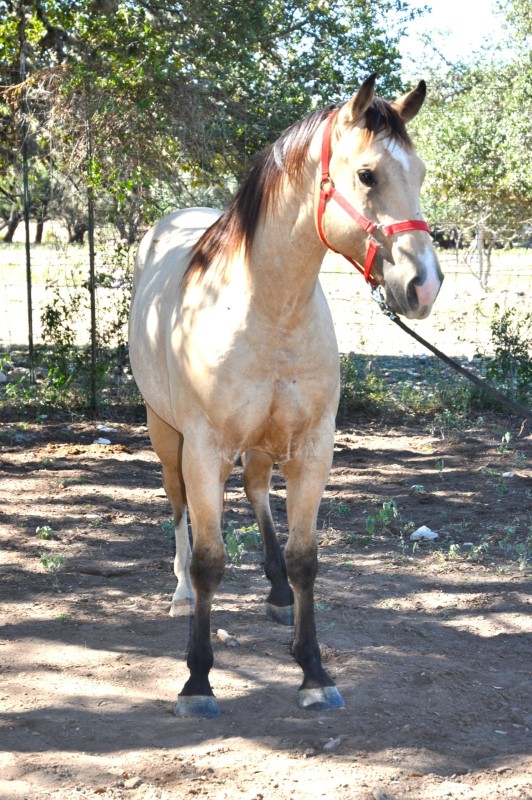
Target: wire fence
459	324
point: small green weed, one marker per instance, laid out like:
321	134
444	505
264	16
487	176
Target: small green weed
51	563
357	539
381	521
239	540
523	551
45	532
440	466
489	471
446	422
167	527
479	551
338	508
505	444
452	552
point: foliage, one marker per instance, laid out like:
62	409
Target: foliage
45	532
475	135
68	362
154	106
52	563
239	540
511	364
360	388
167	527
519	17
59	317
383	519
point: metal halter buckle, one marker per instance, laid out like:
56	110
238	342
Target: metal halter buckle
328	182
378	295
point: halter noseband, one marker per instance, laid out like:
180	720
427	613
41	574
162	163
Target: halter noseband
378	234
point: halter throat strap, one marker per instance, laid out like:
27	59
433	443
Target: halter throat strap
378	234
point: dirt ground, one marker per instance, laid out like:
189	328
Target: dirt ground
429	644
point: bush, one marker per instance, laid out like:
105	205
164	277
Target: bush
511	365
360	388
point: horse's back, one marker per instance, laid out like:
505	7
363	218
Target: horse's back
170	239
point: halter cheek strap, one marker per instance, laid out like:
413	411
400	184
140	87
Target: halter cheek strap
378	234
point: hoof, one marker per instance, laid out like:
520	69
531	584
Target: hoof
198	706
322	699
281	614
181	608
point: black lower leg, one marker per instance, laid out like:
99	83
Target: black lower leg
305	648
274	566
206	576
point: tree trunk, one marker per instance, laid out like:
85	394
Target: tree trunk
39	231
77	233
12	224
41	216
489	251
480	253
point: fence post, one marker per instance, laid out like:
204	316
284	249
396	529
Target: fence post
25	182
92	255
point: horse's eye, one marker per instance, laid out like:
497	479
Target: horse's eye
367	178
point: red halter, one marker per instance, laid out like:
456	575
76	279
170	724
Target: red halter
378	234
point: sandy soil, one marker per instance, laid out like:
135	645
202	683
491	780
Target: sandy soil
429	645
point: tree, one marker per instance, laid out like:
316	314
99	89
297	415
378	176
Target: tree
518	17
475	135
179	97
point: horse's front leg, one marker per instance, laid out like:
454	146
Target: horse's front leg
205	476
306	476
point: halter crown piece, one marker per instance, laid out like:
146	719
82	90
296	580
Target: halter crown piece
378	234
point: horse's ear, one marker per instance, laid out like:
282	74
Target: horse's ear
409	104
357	106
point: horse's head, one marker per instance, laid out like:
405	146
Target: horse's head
372	172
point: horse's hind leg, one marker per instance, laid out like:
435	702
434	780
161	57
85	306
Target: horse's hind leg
168	444
257	475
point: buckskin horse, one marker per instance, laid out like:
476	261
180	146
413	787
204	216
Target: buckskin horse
233	348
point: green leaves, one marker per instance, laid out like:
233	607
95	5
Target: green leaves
177	98
475	135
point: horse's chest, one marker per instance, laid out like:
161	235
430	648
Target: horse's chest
291	411
276	415
257	386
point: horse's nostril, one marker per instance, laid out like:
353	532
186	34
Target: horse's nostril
411	294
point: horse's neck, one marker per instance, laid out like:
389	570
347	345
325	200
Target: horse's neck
286	256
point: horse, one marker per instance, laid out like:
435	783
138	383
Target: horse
233	348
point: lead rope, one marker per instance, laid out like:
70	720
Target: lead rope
378	295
